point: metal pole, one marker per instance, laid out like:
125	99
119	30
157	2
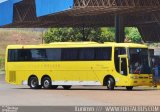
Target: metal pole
117	28
119	25
83	30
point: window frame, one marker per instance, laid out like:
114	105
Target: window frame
110	48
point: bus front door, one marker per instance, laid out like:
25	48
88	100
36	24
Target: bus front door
123	66
123	79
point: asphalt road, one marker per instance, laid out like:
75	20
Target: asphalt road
78	95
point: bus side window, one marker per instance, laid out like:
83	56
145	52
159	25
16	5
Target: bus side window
38	54
86	54
69	54
24	55
12	55
19	55
103	53
53	54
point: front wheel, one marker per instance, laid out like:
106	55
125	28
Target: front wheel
110	83
67	87
129	87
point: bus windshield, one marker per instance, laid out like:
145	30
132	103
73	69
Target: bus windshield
139	62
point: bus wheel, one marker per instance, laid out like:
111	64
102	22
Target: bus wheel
129	87
33	83
54	87
46	83
67	87
110	83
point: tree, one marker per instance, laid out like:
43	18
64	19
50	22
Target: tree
104	34
78	34
133	34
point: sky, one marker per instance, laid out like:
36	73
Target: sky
2	1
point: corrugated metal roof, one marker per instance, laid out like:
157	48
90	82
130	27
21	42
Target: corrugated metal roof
144	14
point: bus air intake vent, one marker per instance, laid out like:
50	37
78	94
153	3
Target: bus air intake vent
12	76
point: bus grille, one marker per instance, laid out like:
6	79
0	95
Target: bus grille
12	76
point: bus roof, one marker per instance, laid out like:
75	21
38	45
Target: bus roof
78	44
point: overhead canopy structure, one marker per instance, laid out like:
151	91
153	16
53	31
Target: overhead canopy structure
143	14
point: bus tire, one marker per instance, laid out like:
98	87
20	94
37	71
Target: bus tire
129	87
54	87
47	83
34	83
110	83
67	87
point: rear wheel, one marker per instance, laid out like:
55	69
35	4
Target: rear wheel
129	87
110	83
33	83
67	87
46	83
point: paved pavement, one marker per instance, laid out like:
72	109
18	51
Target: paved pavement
19	95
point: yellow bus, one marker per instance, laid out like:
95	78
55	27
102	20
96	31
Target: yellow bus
78	63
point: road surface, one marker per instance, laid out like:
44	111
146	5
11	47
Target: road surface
19	95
